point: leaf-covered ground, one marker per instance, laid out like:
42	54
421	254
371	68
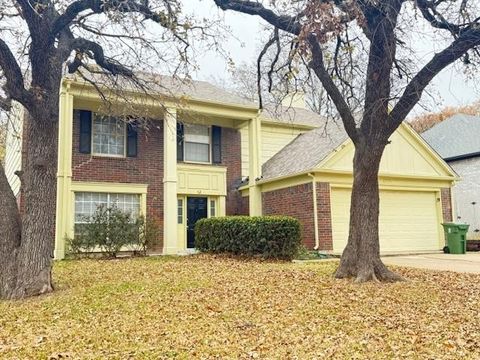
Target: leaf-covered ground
205	307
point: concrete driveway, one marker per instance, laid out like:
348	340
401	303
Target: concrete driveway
467	263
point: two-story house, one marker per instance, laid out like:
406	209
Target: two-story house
190	151
181	159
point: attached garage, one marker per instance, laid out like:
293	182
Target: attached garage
409	220
415	196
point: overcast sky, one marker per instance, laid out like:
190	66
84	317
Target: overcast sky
453	87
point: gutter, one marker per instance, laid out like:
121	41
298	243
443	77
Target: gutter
315	212
462	157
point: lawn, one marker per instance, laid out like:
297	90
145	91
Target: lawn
205	307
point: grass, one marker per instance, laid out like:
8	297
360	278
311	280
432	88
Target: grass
206	307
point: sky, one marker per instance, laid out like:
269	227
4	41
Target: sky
449	88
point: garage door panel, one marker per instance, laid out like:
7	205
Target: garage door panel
408	220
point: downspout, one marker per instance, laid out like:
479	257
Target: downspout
315	212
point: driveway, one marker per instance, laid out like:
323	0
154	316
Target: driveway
467	263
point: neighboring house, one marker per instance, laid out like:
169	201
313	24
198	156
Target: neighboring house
199	153
13	145
457	140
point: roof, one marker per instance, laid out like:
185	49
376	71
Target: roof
169	86
292	116
456	137
306	151
203	91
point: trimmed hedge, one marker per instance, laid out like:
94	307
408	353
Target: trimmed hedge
273	237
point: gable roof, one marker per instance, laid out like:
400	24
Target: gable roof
456	137
306	151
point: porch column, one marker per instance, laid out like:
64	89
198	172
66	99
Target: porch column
64	214
255	166
170	182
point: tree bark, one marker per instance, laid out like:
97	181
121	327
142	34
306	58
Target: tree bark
27	250
9	236
361	257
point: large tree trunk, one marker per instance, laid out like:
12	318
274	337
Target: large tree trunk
361	257
9	236
27	250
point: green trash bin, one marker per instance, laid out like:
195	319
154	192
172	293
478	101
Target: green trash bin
456	237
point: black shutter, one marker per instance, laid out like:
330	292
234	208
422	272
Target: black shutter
216	144
132	136
85	141
180	134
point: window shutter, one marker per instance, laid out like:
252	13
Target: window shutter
180	134
132	136
216	144
85	141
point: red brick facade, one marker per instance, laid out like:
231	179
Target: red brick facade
324	216
446	204
232	159
297	201
147	166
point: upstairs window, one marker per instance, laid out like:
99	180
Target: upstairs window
108	136
196	143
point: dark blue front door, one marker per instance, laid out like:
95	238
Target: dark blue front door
196	210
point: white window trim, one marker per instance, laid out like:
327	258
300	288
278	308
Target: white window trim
209	145
124	140
109	203
102	187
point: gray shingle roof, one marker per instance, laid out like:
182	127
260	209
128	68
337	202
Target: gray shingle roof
306	151
203	91
455	137
292	115
170	86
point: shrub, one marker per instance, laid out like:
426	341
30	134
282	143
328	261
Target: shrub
276	237
110	229
145	234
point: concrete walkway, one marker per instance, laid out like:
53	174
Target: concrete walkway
467	263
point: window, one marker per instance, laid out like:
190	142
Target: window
180	211
197	143
108	136
86	204
212	208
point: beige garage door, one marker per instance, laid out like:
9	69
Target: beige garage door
409	221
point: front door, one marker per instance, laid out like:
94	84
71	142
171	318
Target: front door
196	210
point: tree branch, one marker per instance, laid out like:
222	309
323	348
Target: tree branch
167	20
466	41
286	23
95	51
14	86
332	90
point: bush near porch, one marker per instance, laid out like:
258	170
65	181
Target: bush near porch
214	307
271	237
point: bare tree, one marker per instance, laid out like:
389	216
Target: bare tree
382	32
39	39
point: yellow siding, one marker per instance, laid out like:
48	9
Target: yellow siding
13	155
405	155
274	138
201	180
